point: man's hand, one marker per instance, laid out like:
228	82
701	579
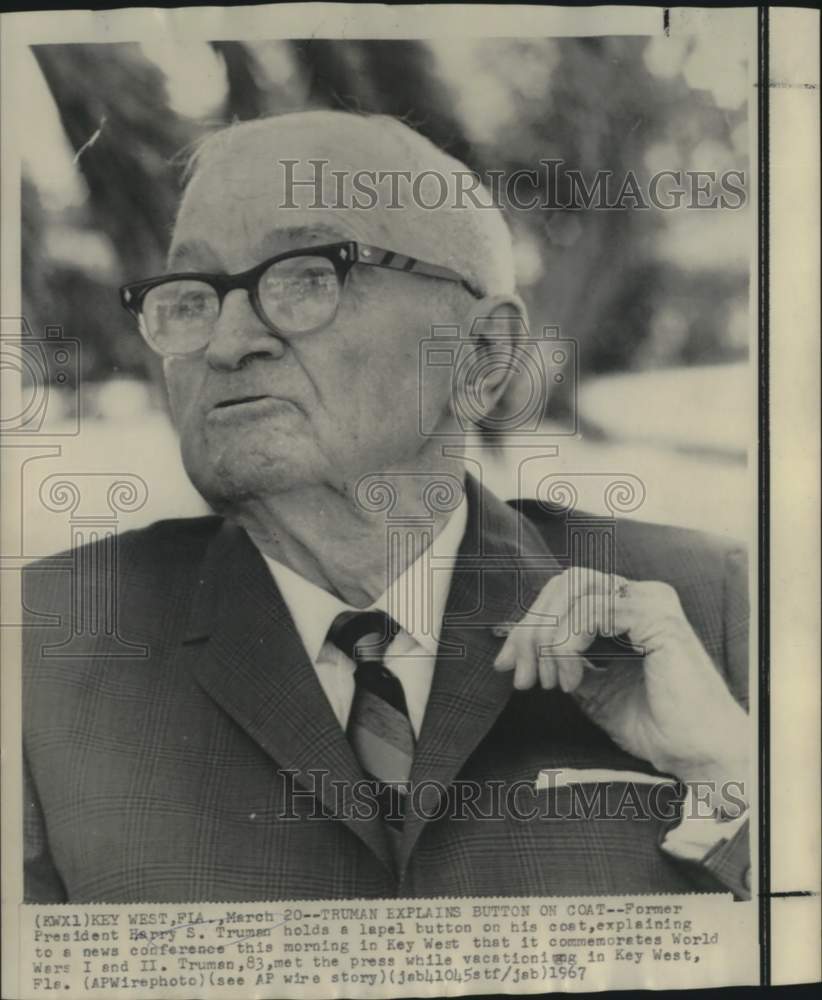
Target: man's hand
673	708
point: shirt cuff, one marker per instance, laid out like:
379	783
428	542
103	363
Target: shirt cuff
695	836
720	847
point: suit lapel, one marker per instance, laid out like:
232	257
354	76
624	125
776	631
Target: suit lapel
246	653
502	565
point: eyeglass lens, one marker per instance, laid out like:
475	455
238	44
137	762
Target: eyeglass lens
296	295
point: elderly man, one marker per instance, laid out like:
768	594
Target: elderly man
321	700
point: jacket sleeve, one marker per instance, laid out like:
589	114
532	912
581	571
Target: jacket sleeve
729	859
729	862
736	614
42	883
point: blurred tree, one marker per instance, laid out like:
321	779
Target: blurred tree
247	95
394	78
602	278
114	110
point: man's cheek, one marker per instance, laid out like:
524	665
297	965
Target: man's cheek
184	390
175	385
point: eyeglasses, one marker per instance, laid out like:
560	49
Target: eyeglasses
293	293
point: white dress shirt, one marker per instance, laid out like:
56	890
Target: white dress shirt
415	600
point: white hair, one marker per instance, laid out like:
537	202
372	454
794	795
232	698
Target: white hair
470	238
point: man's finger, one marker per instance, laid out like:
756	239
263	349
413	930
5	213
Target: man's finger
591	614
580	601
571	672
525	674
507	656
547	672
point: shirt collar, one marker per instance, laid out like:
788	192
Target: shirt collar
415	599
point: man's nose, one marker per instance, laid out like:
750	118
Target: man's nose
239	335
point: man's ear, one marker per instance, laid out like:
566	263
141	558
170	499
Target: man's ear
490	356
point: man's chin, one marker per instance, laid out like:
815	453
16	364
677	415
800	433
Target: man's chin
236	478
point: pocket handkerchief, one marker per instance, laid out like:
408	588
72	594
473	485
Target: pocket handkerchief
560	777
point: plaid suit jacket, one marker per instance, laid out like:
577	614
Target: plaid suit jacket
186	752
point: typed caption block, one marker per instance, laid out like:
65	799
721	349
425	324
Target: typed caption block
386	948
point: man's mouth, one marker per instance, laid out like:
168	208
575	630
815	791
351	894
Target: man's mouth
238	401
250	407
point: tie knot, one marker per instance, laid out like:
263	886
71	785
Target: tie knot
363	635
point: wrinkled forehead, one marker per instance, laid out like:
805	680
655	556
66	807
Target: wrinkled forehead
255	192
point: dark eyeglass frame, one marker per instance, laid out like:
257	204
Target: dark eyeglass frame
343	256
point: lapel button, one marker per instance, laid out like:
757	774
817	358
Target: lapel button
501	631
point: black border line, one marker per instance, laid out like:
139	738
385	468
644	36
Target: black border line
763	707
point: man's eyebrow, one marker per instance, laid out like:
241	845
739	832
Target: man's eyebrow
306	235
271	243
196	249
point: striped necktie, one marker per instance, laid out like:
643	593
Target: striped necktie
379	728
